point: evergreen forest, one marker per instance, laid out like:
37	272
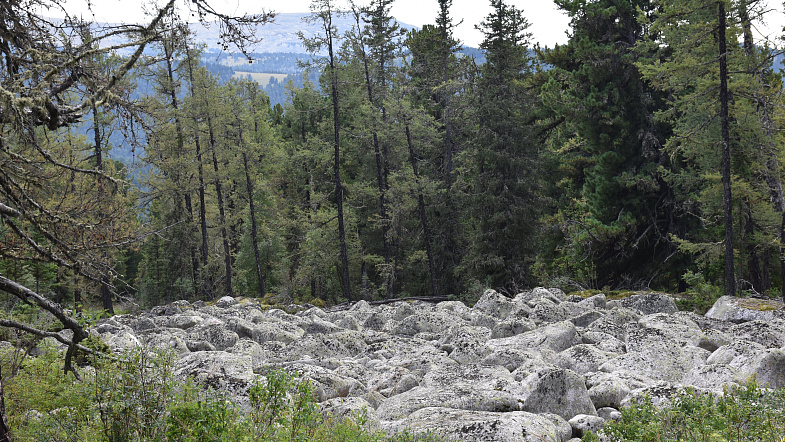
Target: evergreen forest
645	153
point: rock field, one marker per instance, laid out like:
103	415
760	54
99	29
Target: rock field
539	367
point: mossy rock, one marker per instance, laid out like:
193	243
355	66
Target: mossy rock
762	305
610	295
584	293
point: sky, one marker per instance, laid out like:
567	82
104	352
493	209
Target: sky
548	24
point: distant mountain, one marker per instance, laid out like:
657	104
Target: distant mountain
274	60
281	35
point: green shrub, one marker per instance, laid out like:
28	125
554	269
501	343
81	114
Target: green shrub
137	398
195	418
746	413
700	295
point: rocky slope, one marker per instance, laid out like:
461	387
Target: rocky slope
541	366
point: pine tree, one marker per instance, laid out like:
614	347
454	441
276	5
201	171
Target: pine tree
615	210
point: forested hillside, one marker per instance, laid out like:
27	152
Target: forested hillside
645	153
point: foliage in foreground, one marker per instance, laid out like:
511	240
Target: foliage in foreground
138	398
746	413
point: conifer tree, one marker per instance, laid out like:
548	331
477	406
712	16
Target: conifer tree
717	167
322	13
502	207
615	211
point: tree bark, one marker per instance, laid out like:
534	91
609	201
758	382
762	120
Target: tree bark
730	280
221	210
767	152
169	54
347	292
254	239
207	283
381	178
105	291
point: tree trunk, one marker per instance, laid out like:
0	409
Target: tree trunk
5	432
767	152
753	261
221	211
249	187
782	254
423	216
105	292
207	282
347	293
169	54
77	300
730	280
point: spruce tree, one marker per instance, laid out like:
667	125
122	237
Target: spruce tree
502	206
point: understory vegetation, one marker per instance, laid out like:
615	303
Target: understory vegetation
138	398
743	413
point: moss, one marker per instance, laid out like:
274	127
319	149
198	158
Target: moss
763	305
318	302
609	294
584	293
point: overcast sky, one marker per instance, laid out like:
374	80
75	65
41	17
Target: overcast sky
547	24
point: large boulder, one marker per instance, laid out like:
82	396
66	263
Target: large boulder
733	309
435	322
583	358
770	334
494	304
557	391
554	337
479	426
462	396
232	373
650	303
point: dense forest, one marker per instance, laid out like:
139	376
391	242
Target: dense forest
642	154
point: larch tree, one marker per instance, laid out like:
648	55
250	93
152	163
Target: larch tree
323	12
717	126
44	71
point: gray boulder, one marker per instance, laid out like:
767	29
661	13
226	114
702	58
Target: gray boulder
479	426
349	408
546	311
557	391
770	334
461	396
583	358
732	309
494	304
650	303
584	423
555	337
232	373
225	302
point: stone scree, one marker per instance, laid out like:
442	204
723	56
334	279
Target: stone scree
538	367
